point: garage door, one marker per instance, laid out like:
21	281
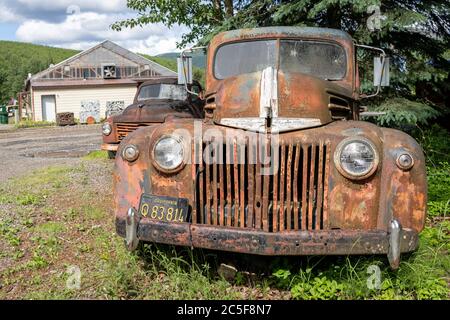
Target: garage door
49	108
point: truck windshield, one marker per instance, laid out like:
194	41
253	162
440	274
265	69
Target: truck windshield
321	59
162	91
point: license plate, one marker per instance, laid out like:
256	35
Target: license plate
162	208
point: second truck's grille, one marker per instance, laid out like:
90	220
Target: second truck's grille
235	193
123	129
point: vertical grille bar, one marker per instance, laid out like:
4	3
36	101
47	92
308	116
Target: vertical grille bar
295	191
194	169
266	183
214	184
251	183
319	188
229	197
208	192
275	211
282	183
201	184
236	184
257	189
242	185
222	186
288	187
311	188
304	186
325	186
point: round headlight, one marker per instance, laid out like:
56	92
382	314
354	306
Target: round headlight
356	158
168	153
106	129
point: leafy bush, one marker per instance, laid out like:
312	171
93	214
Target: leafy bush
437	236
439	182
439	208
283	278
433	289
320	288
435	144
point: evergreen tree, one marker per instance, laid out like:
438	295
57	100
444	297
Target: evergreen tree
414	33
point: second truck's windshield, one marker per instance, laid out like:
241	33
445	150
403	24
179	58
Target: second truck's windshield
162	91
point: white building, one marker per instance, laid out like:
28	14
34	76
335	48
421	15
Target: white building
91	84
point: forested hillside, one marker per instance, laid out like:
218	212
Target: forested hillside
170	61
198	58
17	59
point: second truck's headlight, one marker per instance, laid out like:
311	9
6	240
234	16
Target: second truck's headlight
168	153
356	158
106	129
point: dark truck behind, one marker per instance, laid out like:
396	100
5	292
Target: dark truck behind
155	101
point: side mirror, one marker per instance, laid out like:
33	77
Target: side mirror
381	71
184	68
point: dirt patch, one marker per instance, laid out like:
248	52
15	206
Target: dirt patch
25	150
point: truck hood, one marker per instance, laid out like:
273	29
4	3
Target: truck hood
291	100
155	111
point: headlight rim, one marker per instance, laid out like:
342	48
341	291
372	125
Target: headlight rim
110	128
337	155
157	165
400	165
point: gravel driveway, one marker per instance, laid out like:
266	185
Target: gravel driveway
24	150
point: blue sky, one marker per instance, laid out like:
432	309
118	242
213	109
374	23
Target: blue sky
80	24
8	31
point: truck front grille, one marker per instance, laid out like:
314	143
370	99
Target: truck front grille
123	129
235	193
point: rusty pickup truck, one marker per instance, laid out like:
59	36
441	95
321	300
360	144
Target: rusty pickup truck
155	101
281	164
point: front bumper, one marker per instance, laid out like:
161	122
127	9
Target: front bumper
320	242
109	146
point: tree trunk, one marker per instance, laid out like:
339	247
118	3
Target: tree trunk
218	9
228	8
334	17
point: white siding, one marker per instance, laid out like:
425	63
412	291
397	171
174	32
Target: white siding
69	99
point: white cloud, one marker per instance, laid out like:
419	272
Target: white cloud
80	31
7	15
84	5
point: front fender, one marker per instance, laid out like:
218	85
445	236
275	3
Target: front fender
131	179
404	195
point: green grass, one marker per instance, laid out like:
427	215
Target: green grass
34	124
422	274
57	219
97	154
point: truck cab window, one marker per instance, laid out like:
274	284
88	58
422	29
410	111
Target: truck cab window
321	59
162	91
244	57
